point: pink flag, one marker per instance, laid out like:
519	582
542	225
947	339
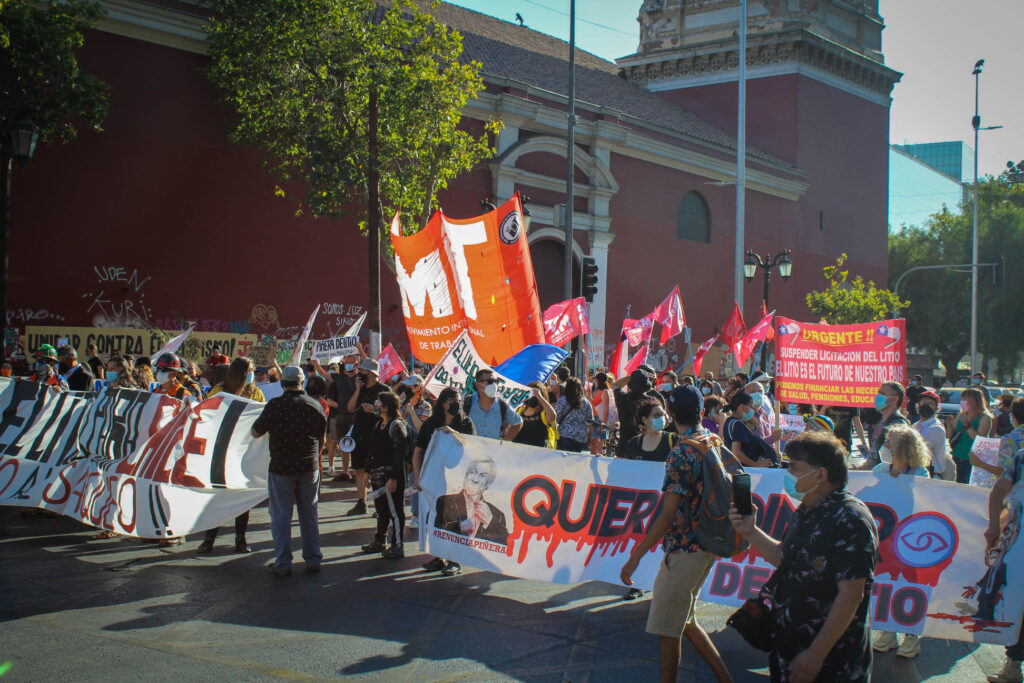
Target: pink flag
634	333
638	331
698	358
758	333
669	314
390	364
734	327
565	320
764	313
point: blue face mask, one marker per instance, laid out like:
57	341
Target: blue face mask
706	391
880	402
789	483
794	409
748	415
658	423
757	399
250	378
349	367
112	375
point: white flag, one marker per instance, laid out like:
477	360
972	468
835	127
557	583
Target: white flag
297	353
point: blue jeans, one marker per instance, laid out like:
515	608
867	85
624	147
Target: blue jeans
287	493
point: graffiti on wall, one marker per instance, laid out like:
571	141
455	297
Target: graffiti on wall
117	298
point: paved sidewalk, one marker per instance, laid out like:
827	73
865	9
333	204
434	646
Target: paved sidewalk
75	607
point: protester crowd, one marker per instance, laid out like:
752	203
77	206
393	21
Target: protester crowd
341	422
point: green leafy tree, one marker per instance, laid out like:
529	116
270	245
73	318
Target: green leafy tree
847	301
39	73
939	318
356	106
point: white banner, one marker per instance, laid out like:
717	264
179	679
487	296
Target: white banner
132	462
552	516
458	367
338	347
300	345
173	345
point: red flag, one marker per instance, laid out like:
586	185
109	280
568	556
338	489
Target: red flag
565	320
669	314
634	333
698	358
764	314
638	331
759	333
390	364
734	327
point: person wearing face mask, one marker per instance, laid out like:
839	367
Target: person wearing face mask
448	415
764	413
168	369
887	403
385	468
119	376
668	382
45	368
78	376
914	392
574	413
341	419
639	387
361	402
538	419
974	420
239	381
652	443
821	589
934	434
713	414
751	449
415	410
490	414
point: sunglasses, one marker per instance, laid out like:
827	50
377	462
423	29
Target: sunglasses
485	381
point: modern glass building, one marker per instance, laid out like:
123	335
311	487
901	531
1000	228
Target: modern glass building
917	189
954	158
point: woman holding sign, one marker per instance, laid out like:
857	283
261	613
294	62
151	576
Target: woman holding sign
974	420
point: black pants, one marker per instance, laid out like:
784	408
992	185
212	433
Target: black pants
567	444
1016	651
241	524
390	513
963	471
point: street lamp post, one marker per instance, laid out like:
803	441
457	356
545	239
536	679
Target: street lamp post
755	261
19	143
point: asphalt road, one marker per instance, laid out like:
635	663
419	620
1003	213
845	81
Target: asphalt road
76	607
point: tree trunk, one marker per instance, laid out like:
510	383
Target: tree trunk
373	229
950	363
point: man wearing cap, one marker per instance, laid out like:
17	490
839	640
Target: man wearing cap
686	565
368	388
296	424
78	377
168	369
45	368
934	435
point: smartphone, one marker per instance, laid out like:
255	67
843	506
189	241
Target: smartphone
741	494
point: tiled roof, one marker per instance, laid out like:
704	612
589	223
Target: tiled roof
518	53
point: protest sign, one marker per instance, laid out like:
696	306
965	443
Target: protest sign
987	449
339	347
474	274
263	355
390	364
138	342
458	368
568	518
791	425
838	365
132	462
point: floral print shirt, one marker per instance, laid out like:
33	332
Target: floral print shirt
1009	446
684	476
834	541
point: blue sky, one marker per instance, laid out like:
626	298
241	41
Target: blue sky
934	43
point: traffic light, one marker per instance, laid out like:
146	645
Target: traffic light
589	278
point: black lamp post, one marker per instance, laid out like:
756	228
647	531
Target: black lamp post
19	143
754	261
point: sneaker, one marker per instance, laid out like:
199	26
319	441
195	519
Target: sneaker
434	565
885	642
633	594
452	569
358	509
395	552
414	523
241	546
274	569
374	547
170	542
910	648
1010	673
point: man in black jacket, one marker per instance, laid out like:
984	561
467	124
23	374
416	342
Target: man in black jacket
78	376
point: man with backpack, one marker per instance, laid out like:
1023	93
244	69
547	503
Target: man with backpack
687	563
491	415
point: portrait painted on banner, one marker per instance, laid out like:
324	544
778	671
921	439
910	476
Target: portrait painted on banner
467	513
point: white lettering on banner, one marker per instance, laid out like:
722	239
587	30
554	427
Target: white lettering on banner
427	280
458	367
456	239
337	347
568	518
132	462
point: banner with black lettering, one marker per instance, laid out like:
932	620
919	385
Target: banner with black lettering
132	462
541	514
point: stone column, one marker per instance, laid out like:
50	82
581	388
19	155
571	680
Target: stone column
599	242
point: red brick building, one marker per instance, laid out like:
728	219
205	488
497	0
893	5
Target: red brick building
159	218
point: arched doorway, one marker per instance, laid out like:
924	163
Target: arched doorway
549	265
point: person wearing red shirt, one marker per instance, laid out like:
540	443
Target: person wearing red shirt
217	358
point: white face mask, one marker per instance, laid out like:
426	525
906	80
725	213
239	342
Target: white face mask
491	390
885	455
163	377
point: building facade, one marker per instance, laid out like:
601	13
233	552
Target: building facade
917	190
160	220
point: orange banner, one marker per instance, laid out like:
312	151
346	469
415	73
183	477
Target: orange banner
474	274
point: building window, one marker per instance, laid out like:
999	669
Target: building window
693	220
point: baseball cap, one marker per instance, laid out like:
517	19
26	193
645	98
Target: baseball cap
413	381
292	373
760	376
686	397
370	365
932	395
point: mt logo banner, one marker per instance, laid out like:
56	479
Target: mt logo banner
474	274
838	365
